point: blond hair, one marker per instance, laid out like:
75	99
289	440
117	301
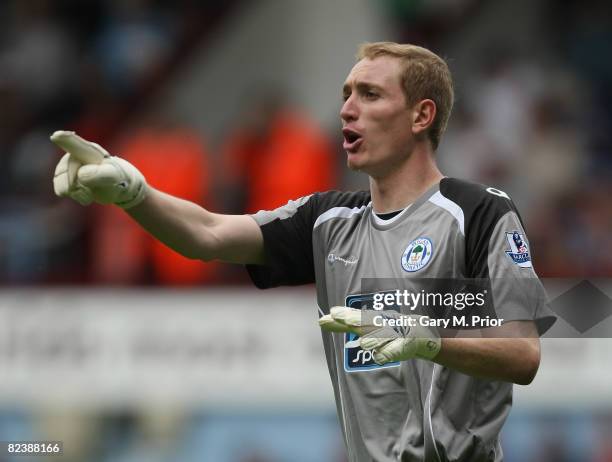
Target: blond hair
424	76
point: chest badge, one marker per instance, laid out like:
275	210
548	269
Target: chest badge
417	254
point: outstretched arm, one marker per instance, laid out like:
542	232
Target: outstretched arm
197	233
88	173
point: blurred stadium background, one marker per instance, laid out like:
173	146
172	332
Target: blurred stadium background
122	349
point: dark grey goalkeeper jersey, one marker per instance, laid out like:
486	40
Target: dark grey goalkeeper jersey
415	410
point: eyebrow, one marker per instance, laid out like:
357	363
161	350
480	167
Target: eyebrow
361	86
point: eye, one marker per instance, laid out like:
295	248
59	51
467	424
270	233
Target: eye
369	94
346	96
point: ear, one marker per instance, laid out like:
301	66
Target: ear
423	115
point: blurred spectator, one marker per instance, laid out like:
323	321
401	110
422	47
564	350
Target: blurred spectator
35	45
255	456
554	153
79	432
466	151
603	450
32	222
133	44
174	160
275	153
419	21
552	449
583	32
500	97
101	109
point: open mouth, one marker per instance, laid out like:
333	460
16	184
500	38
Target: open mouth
352	140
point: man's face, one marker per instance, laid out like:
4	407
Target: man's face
376	121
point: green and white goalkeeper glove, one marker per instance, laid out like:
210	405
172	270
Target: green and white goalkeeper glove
88	173
401	337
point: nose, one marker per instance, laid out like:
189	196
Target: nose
348	112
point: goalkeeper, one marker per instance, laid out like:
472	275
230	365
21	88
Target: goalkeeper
402	392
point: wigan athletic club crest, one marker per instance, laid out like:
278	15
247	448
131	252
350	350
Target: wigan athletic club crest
519	252
417	254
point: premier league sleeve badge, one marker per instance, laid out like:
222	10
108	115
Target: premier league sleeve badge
519	251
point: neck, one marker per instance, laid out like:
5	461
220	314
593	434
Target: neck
400	187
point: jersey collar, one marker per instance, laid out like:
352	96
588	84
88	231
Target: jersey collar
379	223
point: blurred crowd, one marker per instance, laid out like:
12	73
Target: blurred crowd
100	63
165	435
90	67
536	128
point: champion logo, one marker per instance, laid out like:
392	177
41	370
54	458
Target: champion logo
350	260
